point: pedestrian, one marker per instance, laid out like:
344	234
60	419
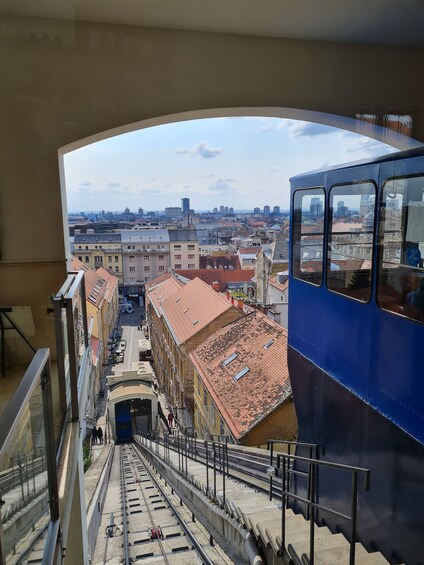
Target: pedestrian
170	419
94	435
100	434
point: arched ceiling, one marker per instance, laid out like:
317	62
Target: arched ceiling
387	22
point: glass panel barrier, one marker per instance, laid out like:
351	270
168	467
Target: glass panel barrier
27	465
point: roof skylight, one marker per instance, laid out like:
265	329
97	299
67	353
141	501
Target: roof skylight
241	373
229	359
268	344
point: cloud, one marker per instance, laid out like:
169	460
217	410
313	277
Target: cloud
297	128
86	183
223	185
153	179
166	186
274	169
208	176
113	184
370	147
309	129
202	149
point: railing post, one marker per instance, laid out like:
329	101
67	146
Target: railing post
283	506
214	469
207	466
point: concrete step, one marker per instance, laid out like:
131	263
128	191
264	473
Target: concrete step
371	559
338	554
326	547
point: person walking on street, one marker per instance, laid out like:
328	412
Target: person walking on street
94	435
170	419
100	434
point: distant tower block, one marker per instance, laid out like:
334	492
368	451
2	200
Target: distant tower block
185	205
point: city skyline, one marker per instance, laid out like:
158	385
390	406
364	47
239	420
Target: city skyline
241	163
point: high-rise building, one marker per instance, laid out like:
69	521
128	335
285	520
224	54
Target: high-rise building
256	210
316	207
185	205
267	210
276	210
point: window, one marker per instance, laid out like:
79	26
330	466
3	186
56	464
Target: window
80	259
132	269
116	258
161	268
86	246
177	256
146	257
191	247
146	269
116	269
161	257
86	259
132	279
191	266
79	246
177	247
109	258
308	234
350	239
191	255
401	270
178	266
131	257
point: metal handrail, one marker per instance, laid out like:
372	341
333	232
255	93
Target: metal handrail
313	465
313	454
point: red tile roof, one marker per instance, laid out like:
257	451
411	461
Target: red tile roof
221	276
191	308
111	280
161	289
249	250
259	344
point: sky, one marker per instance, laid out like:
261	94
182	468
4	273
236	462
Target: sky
242	162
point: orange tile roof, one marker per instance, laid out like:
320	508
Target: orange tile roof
95	285
111	280
245	402
161	289
191	308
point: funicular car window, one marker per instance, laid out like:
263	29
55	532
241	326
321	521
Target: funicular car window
308	234
350	239
401	269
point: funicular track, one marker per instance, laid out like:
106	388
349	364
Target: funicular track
154	525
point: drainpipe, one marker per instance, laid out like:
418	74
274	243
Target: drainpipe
252	550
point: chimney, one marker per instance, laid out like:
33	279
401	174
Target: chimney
215	286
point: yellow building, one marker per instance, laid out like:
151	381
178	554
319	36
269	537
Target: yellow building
97	250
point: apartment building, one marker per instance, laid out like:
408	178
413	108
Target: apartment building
181	317
184	249
242	389
96	250
145	255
